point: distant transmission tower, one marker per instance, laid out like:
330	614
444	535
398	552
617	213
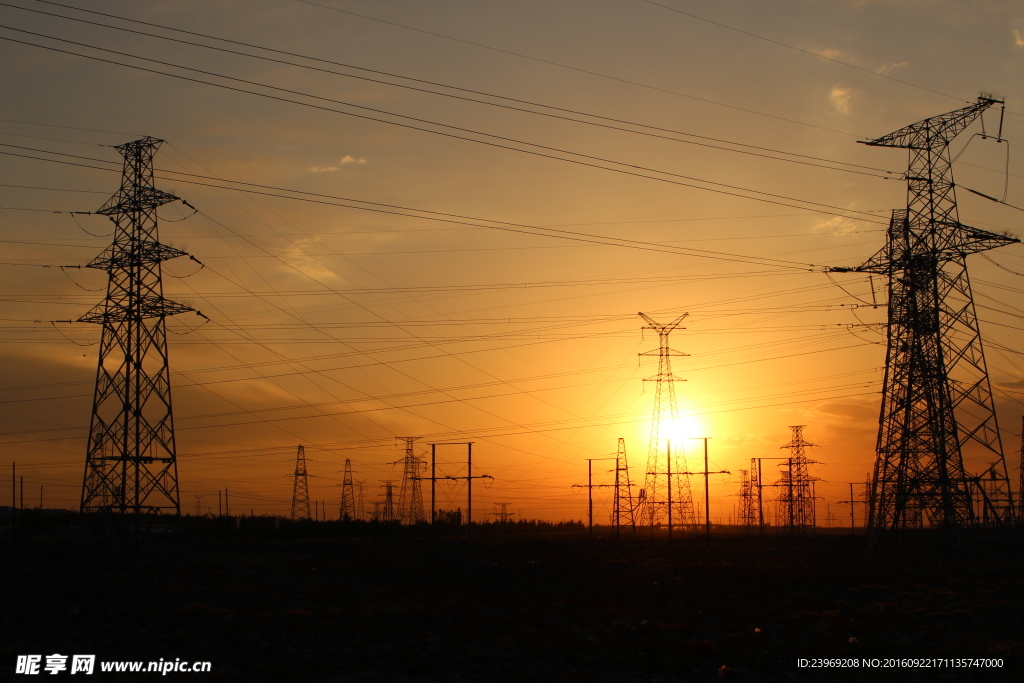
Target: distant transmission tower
748	500
796	499
131	459
387	506
503	515
300	490
936	398
348	494
654	496
410	495
623	508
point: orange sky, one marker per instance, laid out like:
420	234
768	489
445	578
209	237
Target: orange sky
340	328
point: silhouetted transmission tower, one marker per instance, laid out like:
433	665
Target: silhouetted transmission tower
796	499
654	502
410	495
936	398
131	459
300	489
623	507
348	494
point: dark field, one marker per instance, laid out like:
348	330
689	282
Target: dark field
527	608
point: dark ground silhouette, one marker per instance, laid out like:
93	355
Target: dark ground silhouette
513	608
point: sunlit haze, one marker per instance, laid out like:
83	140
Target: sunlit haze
454	212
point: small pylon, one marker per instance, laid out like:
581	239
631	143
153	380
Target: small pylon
387	510
348	497
748	499
623	507
300	490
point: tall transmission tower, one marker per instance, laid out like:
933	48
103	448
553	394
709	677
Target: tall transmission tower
654	496
348	494
623	508
936	396
796	499
1020	482
131	458
410	494
300	490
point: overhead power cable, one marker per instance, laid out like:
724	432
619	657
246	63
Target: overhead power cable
800	49
753	150
579	70
456	219
586	160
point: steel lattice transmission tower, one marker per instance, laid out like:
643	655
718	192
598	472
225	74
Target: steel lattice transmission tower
623	507
410	494
654	498
131	458
1020	481
348	494
748	500
796	499
300	489
936	396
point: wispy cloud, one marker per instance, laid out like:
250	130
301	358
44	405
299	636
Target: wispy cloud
344	161
1018	37
840	98
889	66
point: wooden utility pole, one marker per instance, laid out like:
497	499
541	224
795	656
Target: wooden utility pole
590	493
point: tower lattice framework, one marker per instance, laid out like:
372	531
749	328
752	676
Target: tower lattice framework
348	494
936	396
623	507
300	489
748	499
796	498
410	493
131	457
654	496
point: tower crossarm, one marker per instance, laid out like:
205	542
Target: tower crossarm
934	131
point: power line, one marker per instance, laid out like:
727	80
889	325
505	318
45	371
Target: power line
579	70
456	219
797	49
638	170
759	150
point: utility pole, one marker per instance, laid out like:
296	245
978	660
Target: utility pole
936	395
653	500
131	459
469	484
707	490
590	494
300	488
852	503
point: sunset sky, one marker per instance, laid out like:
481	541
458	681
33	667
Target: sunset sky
493	191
